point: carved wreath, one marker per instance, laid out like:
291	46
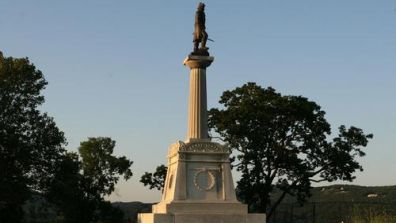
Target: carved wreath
212	180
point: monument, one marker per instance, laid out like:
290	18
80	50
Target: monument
199	186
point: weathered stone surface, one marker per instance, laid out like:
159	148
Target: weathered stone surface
201	218
199	187
198	61
198	171
201	207
155	218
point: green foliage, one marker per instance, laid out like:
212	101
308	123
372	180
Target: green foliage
101	169
33	160
68	192
109	213
81	184
282	142
30	142
156	179
38	209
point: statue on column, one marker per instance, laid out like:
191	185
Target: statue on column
200	35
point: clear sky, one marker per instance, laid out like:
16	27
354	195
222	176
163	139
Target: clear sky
115	67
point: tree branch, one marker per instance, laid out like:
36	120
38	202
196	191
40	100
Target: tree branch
273	175
317	181
318	171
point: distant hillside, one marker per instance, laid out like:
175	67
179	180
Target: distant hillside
341	203
334	203
131	209
351	193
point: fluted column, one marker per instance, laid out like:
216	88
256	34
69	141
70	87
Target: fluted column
197	103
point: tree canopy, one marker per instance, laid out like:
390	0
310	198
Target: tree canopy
33	159
82	180
283	142
30	142
100	167
156	179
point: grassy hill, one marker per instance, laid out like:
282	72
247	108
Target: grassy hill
336	203
341	203
348	194
353	193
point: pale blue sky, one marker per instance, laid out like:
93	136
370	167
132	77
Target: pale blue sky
115	67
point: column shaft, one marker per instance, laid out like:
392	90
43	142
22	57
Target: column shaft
197	105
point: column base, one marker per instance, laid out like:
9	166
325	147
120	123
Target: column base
200	207
201	218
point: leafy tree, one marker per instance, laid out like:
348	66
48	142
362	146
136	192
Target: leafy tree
156	179
283	142
110	214
101	169
30	142
68	193
83	179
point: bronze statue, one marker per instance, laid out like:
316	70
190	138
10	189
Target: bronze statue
200	35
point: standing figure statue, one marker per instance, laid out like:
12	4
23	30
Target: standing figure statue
200	35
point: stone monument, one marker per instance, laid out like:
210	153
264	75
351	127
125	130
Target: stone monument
199	186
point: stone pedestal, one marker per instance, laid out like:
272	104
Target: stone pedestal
199	186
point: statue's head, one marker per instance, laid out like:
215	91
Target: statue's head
201	6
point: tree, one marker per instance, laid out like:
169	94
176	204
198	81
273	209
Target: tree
68	194
101	169
156	179
82	181
110	214
282	142
30	142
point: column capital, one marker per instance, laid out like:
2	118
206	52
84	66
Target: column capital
195	61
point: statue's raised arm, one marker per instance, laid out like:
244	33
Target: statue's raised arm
200	35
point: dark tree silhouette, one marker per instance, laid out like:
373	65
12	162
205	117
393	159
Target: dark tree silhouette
83	179
156	179
282	142
30	142
101	169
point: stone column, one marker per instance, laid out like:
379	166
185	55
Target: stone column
197	104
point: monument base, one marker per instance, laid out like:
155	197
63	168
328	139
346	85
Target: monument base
201	218
200	207
199	187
